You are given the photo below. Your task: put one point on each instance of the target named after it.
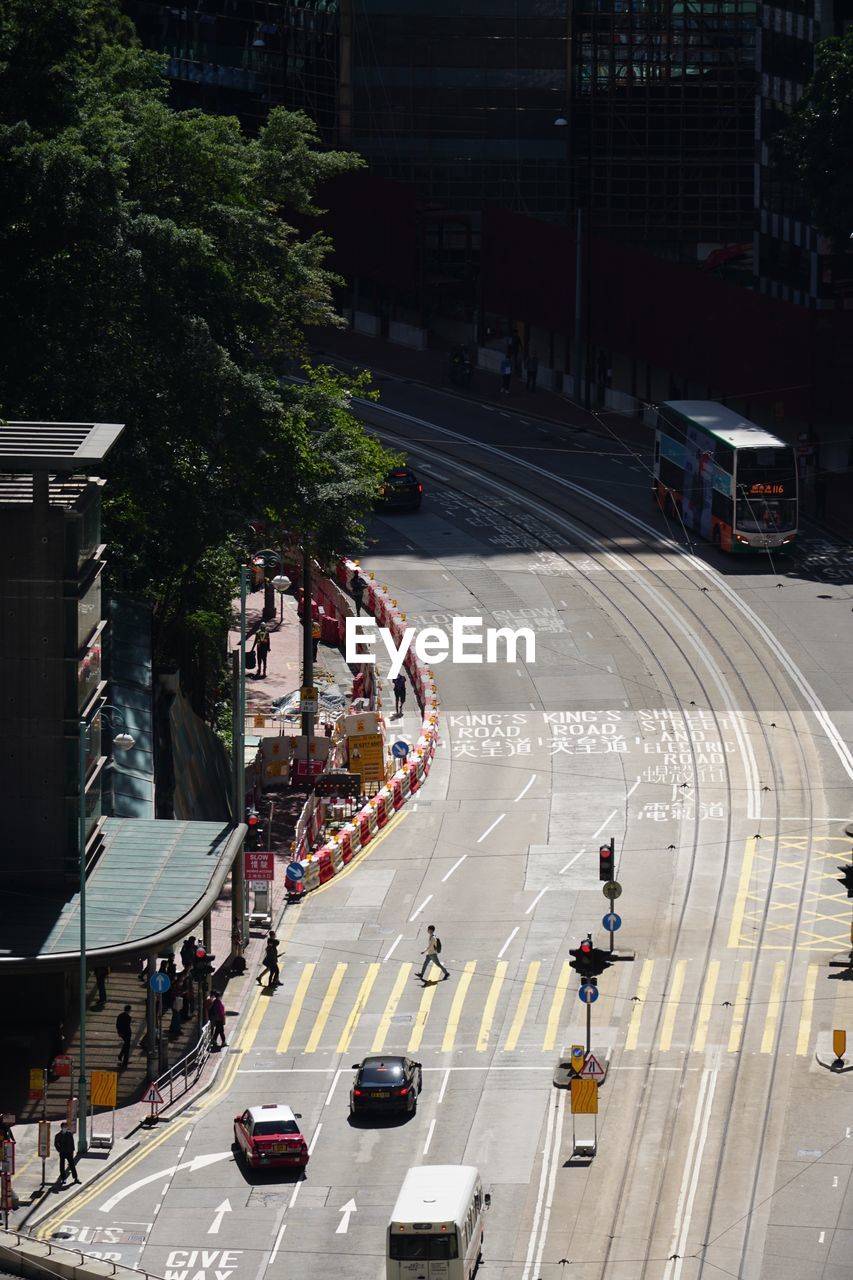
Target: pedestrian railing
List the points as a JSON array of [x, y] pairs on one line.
[[183, 1075], [72, 1261]]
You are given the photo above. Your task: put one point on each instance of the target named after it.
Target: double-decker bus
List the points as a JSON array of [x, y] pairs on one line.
[[436, 1229], [729, 479]]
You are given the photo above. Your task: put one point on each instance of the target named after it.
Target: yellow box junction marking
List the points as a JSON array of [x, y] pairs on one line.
[[706, 1006], [643, 985], [490, 1006], [456, 1006], [358, 1008], [557, 1002], [325, 1008], [391, 1007]]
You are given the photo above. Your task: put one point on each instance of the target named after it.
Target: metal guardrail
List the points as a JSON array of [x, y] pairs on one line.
[[187, 1071], [22, 1239]]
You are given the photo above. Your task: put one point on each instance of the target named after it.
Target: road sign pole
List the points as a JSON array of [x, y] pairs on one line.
[[588, 1025]]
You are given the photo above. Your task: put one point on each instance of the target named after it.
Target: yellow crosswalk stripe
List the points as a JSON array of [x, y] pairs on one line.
[[295, 1008], [326, 1007], [490, 1006], [522, 1006], [358, 1008], [804, 1033], [421, 1018], [774, 1007], [391, 1007], [643, 985], [740, 1007], [706, 1005], [456, 1007], [672, 1006], [557, 1006]]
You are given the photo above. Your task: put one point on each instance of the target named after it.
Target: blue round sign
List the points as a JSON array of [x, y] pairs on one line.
[[295, 871], [612, 921], [160, 982], [400, 750], [588, 994]]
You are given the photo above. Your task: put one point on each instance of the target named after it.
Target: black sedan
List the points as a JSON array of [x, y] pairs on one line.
[[385, 1086], [401, 489]]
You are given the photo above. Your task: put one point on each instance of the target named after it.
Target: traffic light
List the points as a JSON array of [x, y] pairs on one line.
[[607, 861], [253, 822], [846, 878], [589, 961], [202, 964]]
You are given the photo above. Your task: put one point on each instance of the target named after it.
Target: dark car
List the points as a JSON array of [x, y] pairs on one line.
[[385, 1085], [401, 489]]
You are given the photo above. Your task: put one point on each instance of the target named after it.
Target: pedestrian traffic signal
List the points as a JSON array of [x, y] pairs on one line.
[[202, 964], [607, 861], [589, 961], [253, 822], [846, 878]]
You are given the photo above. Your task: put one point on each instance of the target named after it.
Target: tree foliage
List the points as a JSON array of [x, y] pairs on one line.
[[151, 276], [816, 146]]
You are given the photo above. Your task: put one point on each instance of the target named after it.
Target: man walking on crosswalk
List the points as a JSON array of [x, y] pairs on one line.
[[433, 947]]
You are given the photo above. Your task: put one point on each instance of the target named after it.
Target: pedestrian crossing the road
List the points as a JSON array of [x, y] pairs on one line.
[[495, 1007]]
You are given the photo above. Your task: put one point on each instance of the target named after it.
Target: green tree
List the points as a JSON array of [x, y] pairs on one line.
[[816, 146], [151, 275]]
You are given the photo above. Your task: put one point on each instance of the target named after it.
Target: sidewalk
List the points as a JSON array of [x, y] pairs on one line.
[[430, 367]]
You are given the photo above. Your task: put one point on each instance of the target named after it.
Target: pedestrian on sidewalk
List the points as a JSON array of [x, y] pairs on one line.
[[101, 972], [64, 1144], [399, 694], [270, 965], [124, 1027], [262, 647], [356, 586], [431, 954], [216, 1018], [532, 370], [188, 952], [506, 375], [177, 1012], [315, 638]]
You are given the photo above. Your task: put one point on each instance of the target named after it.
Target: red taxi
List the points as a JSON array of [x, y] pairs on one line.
[[269, 1136]]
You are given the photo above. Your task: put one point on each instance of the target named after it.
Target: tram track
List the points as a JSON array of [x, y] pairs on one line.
[[580, 528]]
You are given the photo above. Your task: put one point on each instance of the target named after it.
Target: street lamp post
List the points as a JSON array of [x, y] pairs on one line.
[[123, 741], [281, 584]]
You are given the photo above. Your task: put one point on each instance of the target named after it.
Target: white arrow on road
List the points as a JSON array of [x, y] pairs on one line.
[[347, 1210], [197, 1162], [218, 1215]]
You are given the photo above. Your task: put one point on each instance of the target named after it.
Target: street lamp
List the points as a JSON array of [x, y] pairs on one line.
[[272, 561], [281, 583], [123, 741]]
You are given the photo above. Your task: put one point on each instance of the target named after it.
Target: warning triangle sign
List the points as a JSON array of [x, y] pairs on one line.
[[592, 1068], [152, 1094]]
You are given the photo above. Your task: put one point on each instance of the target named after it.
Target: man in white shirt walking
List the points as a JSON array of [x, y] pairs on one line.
[[431, 953]]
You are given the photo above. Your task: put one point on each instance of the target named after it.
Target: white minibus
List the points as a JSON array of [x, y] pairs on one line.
[[436, 1229]]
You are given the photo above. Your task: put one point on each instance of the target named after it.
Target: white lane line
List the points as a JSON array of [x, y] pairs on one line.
[[334, 1085], [552, 1178], [692, 1169], [427, 899], [633, 789], [540, 894], [164, 1190], [292, 1201], [457, 863], [821, 1237], [443, 1088], [532, 706], [313, 1141], [490, 829], [571, 862], [157, 1208], [591, 636], [550, 1128], [508, 941], [605, 823], [525, 790], [430, 1132], [275, 1247], [392, 948]]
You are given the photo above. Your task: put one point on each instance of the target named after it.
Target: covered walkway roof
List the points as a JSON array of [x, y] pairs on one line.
[[153, 882]]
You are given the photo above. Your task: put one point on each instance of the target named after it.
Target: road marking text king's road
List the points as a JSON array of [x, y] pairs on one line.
[[432, 644]]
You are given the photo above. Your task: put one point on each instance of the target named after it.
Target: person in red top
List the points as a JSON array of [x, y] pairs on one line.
[[216, 1018]]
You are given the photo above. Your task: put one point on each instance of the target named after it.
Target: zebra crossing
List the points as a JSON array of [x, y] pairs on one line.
[[497, 1007]]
